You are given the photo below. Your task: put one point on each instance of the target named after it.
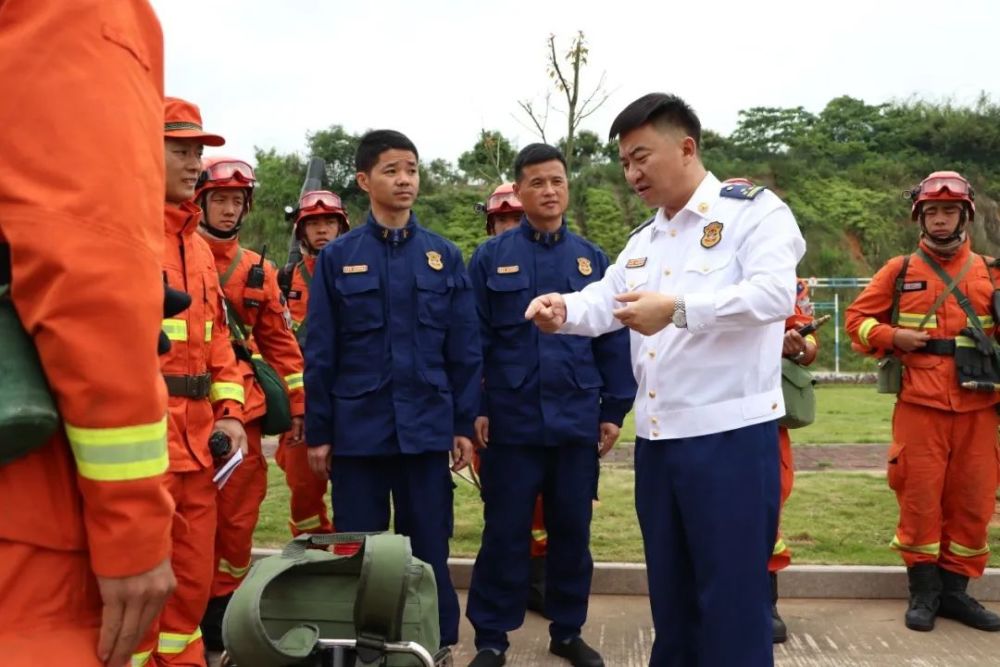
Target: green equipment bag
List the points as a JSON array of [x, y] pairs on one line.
[[278, 416], [28, 414], [890, 367], [288, 602], [797, 387]]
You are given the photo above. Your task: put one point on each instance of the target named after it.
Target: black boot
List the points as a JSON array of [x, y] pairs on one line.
[[577, 652], [536, 590], [779, 631], [962, 607], [925, 596], [488, 658], [211, 623]]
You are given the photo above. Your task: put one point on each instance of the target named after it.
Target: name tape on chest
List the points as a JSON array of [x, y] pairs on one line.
[[915, 286], [356, 268], [503, 270]]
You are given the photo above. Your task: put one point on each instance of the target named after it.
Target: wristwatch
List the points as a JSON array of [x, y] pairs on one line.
[[680, 319], [799, 356]]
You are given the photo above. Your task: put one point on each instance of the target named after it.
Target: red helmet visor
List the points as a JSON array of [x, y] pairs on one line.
[[326, 200], [230, 170], [938, 185], [496, 202]]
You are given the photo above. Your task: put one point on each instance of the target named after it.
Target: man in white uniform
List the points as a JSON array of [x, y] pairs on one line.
[[705, 285]]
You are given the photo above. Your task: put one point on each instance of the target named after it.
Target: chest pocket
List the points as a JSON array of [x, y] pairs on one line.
[[636, 280], [577, 281], [710, 262], [434, 300], [509, 296], [360, 303]]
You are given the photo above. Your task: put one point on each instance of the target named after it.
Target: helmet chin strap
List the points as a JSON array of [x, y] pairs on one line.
[[948, 245]]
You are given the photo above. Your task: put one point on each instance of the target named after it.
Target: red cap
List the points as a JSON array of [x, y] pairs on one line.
[[182, 120]]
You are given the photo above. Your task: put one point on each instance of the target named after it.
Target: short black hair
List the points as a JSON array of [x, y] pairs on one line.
[[661, 110], [536, 154], [376, 142]]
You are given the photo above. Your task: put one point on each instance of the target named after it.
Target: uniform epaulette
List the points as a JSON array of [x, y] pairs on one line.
[[641, 227], [741, 191]]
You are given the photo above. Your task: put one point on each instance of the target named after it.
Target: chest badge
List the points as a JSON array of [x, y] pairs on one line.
[[635, 263], [356, 268], [502, 270], [434, 260], [711, 234], [583, 265]]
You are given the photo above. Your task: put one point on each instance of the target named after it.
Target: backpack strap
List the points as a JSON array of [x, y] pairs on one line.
[[224, 277], [306, 275], [898, 290], [951, 287], [381, 597]]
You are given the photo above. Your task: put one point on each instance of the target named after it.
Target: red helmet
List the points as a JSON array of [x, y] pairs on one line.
[[320, 202], [943, 186], [503, 200], [227, 172]]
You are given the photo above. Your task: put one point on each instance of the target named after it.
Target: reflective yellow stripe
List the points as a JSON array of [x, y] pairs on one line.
[[964, 341], [226, 390], [294, 381], [779, 547], [985, 320], [176, 329], [296, 326], [932, 549], [226, 567], [208, 331], [306, 524], [140, 659], [812, 339], [121, 453], [865, 329], [257, 356], [966, 552], [172, 642], [914, 319], [539, 535]]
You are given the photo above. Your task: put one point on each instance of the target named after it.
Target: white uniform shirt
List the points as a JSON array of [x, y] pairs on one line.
[[733, 261]]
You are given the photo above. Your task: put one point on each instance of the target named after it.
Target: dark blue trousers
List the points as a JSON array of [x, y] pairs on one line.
[[708, 510], [512, 478], [422, 498]]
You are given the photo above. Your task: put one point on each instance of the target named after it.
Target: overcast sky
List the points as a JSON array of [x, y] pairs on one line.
[[266, 73]]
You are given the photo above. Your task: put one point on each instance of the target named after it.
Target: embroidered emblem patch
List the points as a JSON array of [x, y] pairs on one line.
[[583, 264], [635, 263], [356, 268], [711, 234], [434, 260], [508, 269]]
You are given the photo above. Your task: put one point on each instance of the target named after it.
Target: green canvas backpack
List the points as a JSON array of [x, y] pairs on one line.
[[290, 602], [799, 394]]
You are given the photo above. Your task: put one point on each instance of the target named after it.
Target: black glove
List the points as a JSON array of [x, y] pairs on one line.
[[174, 302]]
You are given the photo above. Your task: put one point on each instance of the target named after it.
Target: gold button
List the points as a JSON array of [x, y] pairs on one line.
[[656, 433], [774, 406], [705, 268], [652, 354], [631, 285], [654, 420], [652, 394], [673, 232], [666, 272]]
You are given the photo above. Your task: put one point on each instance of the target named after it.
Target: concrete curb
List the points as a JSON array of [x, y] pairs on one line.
[[797, 581]]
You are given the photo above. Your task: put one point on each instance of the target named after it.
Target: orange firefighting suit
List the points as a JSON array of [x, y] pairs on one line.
[[781, 557], [80, 79], [943, 462], [200, 347], [308, 507], [262, 312]]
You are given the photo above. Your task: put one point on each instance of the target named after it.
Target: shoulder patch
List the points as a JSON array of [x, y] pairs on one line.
[[641, 227], [741, 191]]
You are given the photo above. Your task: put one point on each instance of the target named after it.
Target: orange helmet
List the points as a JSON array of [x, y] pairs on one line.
[[942, 186], [802, 296], [503, 200], [225, 172], [318, 202]]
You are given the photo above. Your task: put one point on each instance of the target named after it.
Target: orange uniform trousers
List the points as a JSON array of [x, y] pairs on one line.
[[943, 466], [238, 510], [782, 555], [308, 505], [175, 639]]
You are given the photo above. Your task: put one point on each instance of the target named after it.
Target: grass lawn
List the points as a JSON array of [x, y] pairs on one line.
[[844, 414], [830, 518]]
